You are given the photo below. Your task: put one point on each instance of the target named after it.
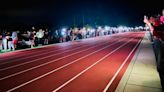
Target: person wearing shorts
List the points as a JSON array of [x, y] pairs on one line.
[[14, 39]]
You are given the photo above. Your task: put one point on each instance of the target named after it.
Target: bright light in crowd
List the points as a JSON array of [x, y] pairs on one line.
[[120, 28], [107, 28], [92, 30], [99, 27], [84, 28], [146, 28], [136, 28], [140, 27], [88, 29], [63, 31], [33, 28], [132, 28]]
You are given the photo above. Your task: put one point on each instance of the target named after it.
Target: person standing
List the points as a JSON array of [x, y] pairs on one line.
[[46, 35], [4, 41], [10, 41], [0, 42], [71, 34], [32, 39], [40, 35], [162, 17], [75, 31], [68, 35], [14, 38], [158, 44]]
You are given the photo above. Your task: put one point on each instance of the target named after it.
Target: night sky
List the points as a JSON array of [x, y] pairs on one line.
[[69, 12]]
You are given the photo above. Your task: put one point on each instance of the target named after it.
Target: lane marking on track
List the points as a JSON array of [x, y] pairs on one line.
[[51, 62], [47, 47], [51, 46], [89, 39], [2, 69], [111, 81], [59, 68], [22, 58], [45, 56], [90, 66]]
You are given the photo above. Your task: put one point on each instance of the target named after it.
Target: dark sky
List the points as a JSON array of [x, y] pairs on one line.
[[69, 12]]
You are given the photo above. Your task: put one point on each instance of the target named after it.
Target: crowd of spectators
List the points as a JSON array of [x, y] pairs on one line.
[[11, 40], [156, 25]]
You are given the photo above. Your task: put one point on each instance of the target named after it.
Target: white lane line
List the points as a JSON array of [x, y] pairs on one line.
[[24, 54], [43, 57], [59, 68], [84, 40], [60, 44], [38, 58], [111, 81], [51, 62], [3, 69], [51, 47], [99, 38], [46, 46], [22, 58], [90, 67]]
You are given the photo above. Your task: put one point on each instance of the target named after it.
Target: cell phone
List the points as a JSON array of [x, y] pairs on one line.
[[145, 17]]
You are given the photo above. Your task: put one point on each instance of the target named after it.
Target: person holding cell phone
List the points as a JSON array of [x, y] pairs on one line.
[[162, 17], [157, 30]]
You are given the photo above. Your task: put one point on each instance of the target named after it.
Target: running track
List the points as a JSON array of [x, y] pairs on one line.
[[90, 65]]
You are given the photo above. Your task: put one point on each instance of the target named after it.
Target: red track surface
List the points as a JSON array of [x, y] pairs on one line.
[[91, 65]]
